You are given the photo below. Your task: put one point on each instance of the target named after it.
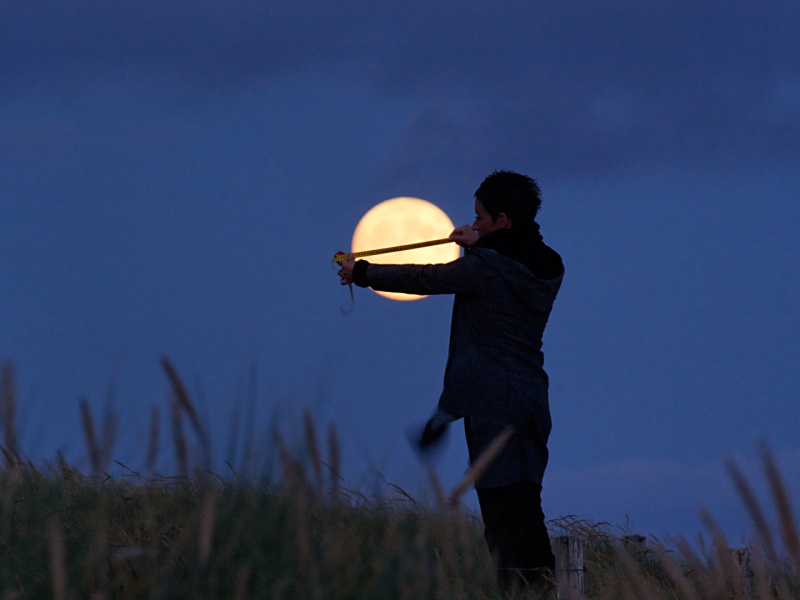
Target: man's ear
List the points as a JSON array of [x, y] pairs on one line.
[[503, 221]]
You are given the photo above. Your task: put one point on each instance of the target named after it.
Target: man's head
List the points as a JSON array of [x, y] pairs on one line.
[[511, 194]]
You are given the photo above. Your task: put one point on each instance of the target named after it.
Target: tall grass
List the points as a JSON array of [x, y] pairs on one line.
[[66, 534]]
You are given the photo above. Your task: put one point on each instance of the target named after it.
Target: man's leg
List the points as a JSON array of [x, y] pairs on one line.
[[516, 534]]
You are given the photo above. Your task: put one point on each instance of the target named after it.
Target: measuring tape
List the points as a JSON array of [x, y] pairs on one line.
[[340, 257]]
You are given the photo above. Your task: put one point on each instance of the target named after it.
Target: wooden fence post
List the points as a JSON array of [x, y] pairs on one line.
[[741, 560], [569, 568]]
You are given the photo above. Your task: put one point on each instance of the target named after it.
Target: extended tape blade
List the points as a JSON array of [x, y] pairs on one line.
[[341, 257]]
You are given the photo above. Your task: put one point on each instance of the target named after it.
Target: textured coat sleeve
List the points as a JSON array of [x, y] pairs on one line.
[[463, 275]]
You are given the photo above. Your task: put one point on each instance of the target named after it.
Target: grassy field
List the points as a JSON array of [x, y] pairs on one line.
[[66, 534]]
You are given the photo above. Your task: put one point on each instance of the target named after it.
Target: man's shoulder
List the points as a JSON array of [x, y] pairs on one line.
[[544, 263], [548, 264]]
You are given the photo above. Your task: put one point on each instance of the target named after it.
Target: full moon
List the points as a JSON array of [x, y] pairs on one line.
[[402, 221]]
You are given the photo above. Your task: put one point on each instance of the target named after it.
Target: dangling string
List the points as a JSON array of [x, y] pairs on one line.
[[346, 310], [340, 256]]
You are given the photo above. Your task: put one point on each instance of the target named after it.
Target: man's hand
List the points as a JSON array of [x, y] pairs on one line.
[[431, 434], [346, 271], [427, 441], [464, 236]]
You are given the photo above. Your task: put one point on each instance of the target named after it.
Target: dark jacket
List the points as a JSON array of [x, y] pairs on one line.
[[504, 290]]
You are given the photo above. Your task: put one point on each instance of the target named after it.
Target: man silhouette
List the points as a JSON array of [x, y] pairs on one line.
[[504, 288]]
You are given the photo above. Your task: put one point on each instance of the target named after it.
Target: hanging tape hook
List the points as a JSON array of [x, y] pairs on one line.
[[346, 310]]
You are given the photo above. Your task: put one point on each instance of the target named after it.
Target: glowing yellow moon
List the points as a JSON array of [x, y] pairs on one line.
[[402, 221]]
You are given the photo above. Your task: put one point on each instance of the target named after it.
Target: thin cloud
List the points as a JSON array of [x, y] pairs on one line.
[[604, 88], [667, 496]]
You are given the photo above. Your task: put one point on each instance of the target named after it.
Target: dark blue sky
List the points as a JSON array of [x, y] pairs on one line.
[[175, 177]]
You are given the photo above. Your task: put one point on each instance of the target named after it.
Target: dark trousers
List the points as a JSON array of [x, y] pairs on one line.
[[516, 534]]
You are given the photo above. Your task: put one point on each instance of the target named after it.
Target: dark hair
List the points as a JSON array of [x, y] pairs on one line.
[[511, 193]]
